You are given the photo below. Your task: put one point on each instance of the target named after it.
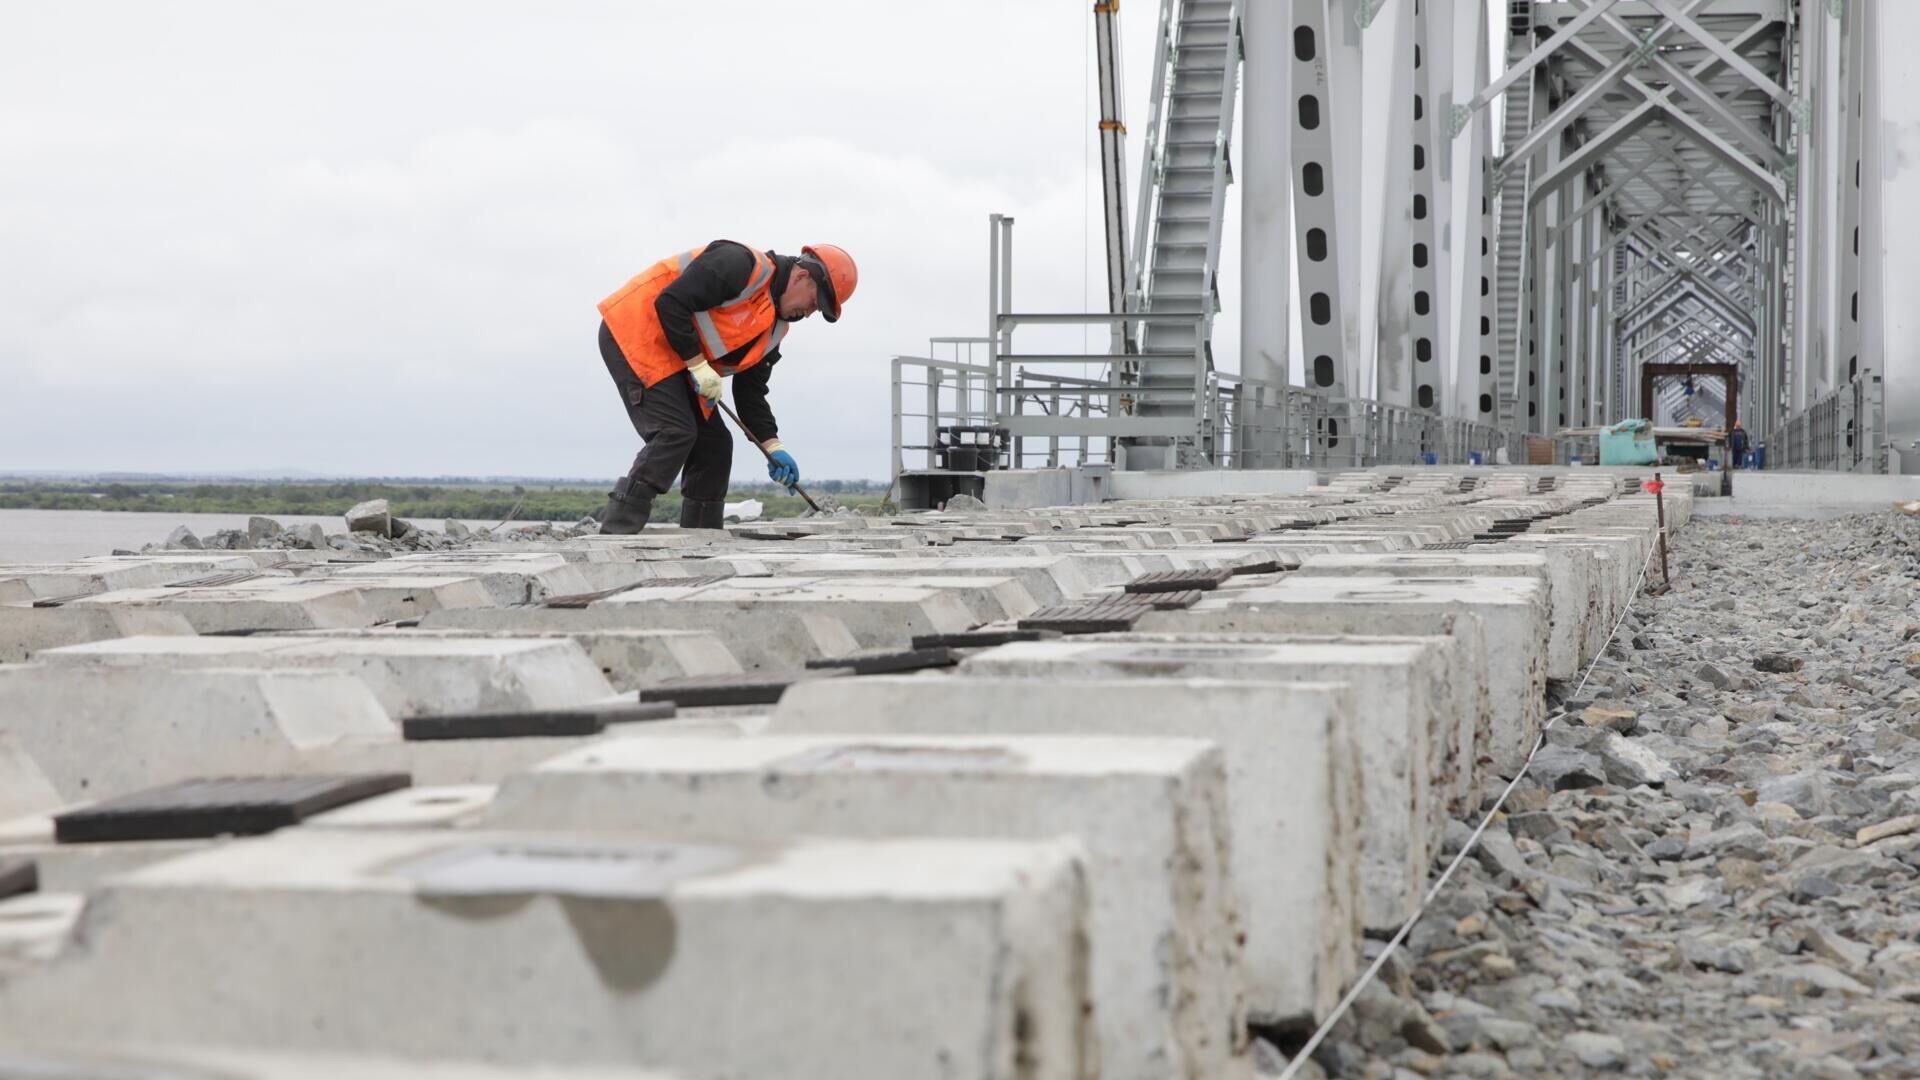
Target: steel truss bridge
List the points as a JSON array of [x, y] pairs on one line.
[[1476, 248]]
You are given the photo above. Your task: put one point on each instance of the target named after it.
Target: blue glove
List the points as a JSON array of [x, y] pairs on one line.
[[780, 467]]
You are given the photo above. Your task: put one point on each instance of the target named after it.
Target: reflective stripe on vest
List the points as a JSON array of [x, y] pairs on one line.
[[749, 322], [757, 353], [703, 321]]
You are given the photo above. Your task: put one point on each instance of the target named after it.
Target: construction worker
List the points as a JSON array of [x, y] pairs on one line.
[[671, 335], [1737, 443]]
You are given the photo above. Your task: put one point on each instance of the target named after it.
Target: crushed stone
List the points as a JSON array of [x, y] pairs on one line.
[[1688, 897]]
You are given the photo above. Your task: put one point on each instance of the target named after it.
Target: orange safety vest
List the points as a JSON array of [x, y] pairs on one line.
[[749, 319]]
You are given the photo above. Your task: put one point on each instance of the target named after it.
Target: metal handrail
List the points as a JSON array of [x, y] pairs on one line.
[[1841, 431], [1151, 156], [1008, 320], [1255, 423], [969, 381]]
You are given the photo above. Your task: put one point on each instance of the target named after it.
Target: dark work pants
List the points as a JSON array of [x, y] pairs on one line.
[[678, 437]]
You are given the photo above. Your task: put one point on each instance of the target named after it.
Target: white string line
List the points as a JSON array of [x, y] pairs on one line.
[[1320, 1034]]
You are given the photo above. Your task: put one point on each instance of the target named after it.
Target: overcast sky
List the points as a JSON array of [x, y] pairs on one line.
[[368, 238]]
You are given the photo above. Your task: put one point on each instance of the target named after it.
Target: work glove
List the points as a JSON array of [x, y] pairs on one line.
[[780, 465], [705, 379]]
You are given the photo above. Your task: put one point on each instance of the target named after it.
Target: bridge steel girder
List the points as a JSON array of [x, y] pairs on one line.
[[1714, 45], [1705, 180], [1684, 274], [1671, 178], [1715, 271], [1540, 53], [1319, 181], [1706, 137], [1732, 305], [1266, 178], [1580, 101], [1670, 308], [1388, 201], [1425, 369], [1700, 226], [1689, 329], [1467, 286], [1669, 288], [1889, 217], [1678, 120], [1698, 91], [1671, 274], [1693, 322], [1666, 299]]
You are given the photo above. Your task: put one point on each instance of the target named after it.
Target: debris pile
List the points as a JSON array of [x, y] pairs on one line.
[[404, 537], [829, 507]]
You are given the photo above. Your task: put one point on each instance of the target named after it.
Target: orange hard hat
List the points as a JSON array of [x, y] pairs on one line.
[[832, 269]]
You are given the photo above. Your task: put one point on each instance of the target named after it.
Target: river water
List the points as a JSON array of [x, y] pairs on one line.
[[63, 535]]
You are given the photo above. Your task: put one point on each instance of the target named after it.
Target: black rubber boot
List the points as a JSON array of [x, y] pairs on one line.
[[702, 513], [629, 505]]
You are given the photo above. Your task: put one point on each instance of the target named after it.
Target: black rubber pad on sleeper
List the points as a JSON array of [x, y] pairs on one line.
[[697, 691], [534, 723], [18, 877], [1113, 614], [888, 663], [1166, 581], [979, 639], [221, 806]]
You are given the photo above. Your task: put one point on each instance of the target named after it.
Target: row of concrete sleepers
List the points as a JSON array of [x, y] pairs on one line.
[[1059, 793]]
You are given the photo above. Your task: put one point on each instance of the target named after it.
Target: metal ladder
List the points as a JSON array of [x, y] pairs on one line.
[[1510, 254], [1185, 173], [1623, 405]]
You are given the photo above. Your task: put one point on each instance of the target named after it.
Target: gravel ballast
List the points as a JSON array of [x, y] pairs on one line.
[[1711, 870]]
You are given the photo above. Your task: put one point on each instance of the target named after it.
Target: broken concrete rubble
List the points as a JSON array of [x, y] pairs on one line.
[[262, 529], [371, 516]]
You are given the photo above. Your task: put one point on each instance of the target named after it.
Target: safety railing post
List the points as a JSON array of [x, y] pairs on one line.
[[899, 454], [933, 417], [993, 312]]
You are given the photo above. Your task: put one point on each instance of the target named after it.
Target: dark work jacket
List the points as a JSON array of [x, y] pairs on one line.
[[710, 281], [1737, 441]]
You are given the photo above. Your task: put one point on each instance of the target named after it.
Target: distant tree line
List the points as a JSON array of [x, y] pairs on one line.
[[425, 502]]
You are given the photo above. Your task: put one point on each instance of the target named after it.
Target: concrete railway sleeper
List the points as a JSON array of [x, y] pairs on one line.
[[891, 805]]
